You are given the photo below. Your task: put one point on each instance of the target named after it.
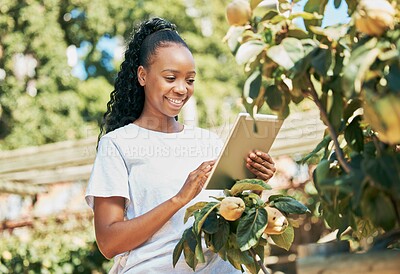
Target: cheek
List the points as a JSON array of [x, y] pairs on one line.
[[190, 90]]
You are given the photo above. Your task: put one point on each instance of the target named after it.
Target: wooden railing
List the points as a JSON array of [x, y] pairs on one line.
[[29, 170]]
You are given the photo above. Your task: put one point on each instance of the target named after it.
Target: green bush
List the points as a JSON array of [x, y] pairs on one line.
[[52, 246]]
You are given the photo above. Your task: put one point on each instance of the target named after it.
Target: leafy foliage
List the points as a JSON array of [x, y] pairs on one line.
[[41, 98], [352, 77], [52, 247], [235, 241]]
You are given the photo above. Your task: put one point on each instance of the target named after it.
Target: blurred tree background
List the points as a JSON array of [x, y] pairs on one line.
[[58, 62]]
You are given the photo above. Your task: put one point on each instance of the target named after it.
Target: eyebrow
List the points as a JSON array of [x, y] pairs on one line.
[[177, 71]]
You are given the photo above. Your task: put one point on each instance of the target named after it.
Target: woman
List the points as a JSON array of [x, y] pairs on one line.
[[149, 167]]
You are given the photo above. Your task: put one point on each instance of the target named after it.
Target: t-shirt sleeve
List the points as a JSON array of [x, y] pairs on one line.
[[109, 176]]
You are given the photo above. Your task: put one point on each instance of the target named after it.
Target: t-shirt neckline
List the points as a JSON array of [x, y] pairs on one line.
[[151, 131]]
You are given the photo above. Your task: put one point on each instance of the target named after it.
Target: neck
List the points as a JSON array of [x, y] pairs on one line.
[[167, 125]]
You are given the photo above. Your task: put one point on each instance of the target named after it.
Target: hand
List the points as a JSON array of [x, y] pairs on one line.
[[261, 165], [194, 182]]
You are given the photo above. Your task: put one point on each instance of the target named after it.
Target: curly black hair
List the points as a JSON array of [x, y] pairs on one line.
[[127, 98]]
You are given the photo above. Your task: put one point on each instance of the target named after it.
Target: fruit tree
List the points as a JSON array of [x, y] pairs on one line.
[[351, 72]]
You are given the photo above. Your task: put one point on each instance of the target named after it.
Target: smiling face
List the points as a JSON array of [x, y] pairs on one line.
[[168, 81]]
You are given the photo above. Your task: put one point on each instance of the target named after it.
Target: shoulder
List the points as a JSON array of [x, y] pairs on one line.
[[118, 137]]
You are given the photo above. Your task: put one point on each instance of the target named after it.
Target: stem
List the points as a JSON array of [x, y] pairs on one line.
[[324, 117], [258, 260], [377, 145]]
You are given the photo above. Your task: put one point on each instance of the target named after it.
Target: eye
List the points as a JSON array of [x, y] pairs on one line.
[[190, 81], [170, 78]]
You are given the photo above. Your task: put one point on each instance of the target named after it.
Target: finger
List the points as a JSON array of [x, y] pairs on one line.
[[264, 167], [263, 156], [260, 175], [259, 163], [202, 174], [206, 165], [267, 168], [207, 169]]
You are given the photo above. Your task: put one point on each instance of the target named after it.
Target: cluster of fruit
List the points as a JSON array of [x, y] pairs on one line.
[[232, 208]]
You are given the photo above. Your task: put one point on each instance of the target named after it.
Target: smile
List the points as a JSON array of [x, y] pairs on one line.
[[175, 101]]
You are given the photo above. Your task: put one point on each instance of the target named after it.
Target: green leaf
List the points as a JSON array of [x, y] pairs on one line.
[[210, 225], [222, 253], [354, 135], [269, 15], [322, 61], [199, 250], [359, 63], [321, 171], [323, 144], [220, 237], [253, 268], [297, 33], [250, 228], [286, 54], [353, 105], [277, 19], [357, 178], [179, 248], [305, 15], [336, 111], [239, 257], [317, 6], [233, 37], [294, 48], [339, 184], [285, 239], [287, 204], [248, 51], [260, 250], [274, 97], [249, 184], [255, 199], [332, 33], [190, 239], [385, 172], [377, 206], [190, 256], [190, 210], [254, 3], [252, 85], [201, 216], [393, 78]]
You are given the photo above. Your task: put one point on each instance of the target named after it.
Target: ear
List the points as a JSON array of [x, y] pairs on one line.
[[141, 75]]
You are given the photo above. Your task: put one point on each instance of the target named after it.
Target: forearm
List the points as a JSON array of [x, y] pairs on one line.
[[123, 235]]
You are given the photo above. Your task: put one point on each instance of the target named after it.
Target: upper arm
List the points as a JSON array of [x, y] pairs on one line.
[[107, 210]]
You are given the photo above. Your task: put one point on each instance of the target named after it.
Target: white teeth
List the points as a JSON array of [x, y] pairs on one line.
[[175, 101]]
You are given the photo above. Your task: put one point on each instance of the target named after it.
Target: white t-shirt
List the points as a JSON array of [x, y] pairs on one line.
[[147, 168]]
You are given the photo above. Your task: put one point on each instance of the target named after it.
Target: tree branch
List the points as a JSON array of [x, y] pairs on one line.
[[324, 117], [258, 260]]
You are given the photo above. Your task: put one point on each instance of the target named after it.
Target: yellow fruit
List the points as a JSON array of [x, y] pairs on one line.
[[277, 222], [231, 208], [238, 12], [374, 17], [383, 115]]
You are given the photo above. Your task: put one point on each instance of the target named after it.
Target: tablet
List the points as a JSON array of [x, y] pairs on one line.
[[246, 135]]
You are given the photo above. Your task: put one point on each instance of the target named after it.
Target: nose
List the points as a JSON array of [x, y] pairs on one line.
[[181, 87]]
